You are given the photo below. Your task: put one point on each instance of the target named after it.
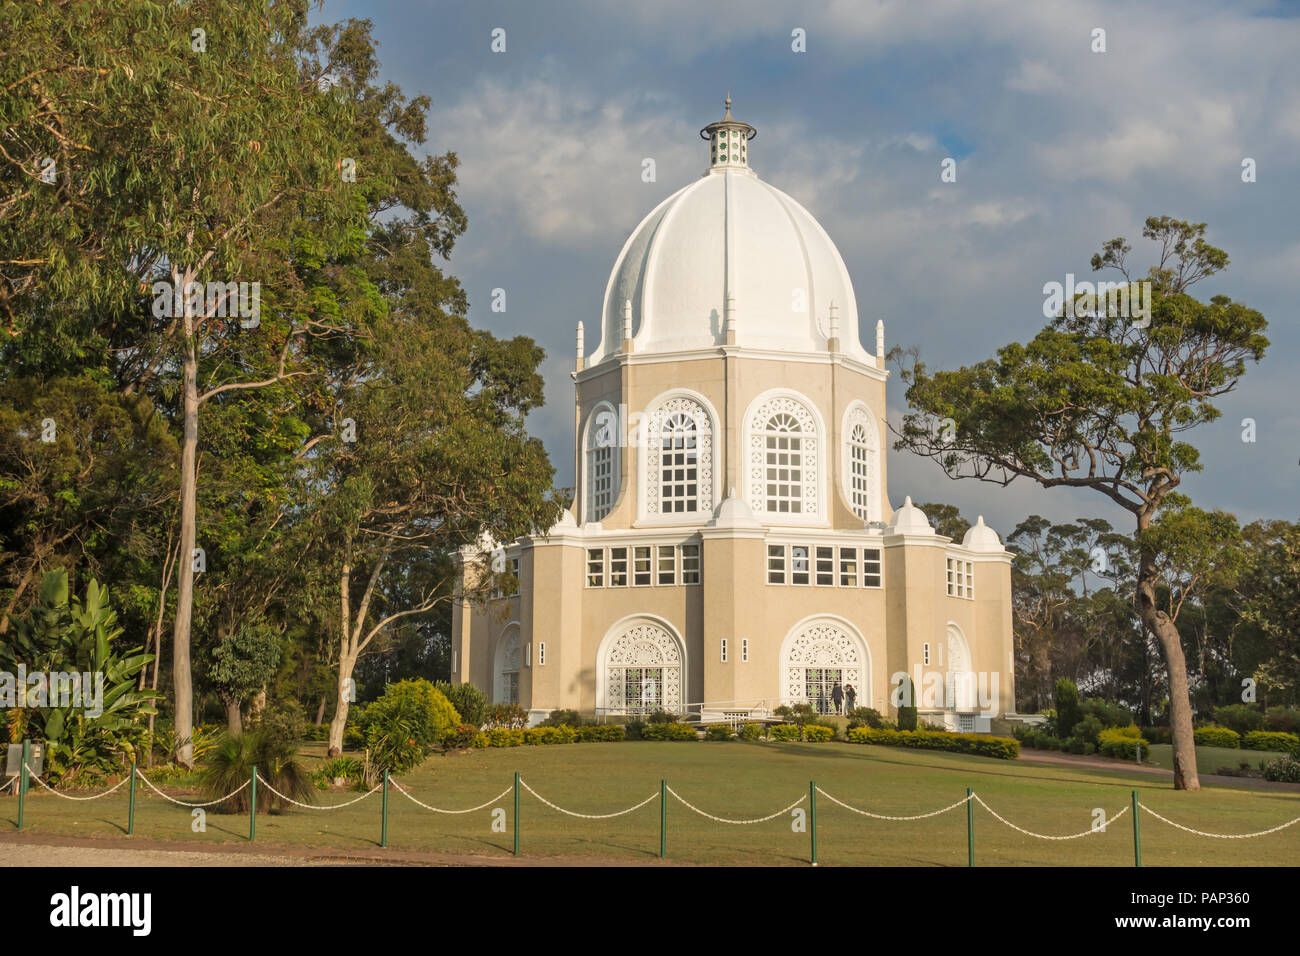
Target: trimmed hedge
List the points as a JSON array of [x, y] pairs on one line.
[[673, 731], [718, 732], [1214, 736], [500, 737], [818, 733], [1002, 748], [538, 736], [1121, 742], [784, 732], [600, 733], [1271, 740], [750, 731], [459, 737], [1158, 735]]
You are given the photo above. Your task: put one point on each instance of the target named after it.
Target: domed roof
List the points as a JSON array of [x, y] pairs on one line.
[[910, 519], [729, 249], [980, 537]]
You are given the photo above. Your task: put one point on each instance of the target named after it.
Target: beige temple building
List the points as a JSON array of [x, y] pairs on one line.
[[731, 546]]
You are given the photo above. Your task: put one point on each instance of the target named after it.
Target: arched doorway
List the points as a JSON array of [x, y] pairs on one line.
[[959, 680], [506, 667], [819, 653], [640, 668]]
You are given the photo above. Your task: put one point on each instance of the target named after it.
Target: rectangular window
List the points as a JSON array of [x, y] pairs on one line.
[[961, 578], [784, 473], [825, 565], [541, 653], [667, 564], [690, 564], [970, 579], [455, 659], [800, 571], [848, 567], [776, 564], [744, 649], [595, 567], [724, 650], [925, 653], [602, 481], [641, 566], [618, 567], [871, 567], [514, 571], [528, 654]]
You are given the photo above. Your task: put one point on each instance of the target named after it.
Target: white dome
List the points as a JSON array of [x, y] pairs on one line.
[[729, 239], [910, 519], [980, 537]]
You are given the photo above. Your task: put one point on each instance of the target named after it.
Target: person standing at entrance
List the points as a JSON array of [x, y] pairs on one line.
[[850, 698], [837, 696]]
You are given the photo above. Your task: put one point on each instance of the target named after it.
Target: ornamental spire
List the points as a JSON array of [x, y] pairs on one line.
[[728, 141]]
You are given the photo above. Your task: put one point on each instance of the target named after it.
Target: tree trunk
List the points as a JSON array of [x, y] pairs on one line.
[[320, 711], [183, 690], [1180, 704], [234, 723], [346, 663]]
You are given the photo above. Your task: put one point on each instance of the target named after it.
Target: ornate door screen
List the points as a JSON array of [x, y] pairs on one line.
[[819, 656], [507, 668], [643, 671]]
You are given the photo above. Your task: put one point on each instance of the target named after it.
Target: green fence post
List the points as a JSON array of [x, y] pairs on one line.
[[970, 828], [1137, 833], [130, 813], [812, 817], [383, 827], [516, 813], [22, 781], [252, 806], [663, 819]]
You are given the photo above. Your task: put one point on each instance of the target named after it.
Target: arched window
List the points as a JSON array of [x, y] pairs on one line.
[[602, 462], [507, 667], [959, 679], [678, 461], [641, 670], [783, 459], [818, 656], [861, 464]]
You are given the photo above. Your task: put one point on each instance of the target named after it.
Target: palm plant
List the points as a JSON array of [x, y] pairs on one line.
[[231, 763]]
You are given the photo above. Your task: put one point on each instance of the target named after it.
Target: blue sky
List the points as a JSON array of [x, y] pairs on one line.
[[1059, 148]]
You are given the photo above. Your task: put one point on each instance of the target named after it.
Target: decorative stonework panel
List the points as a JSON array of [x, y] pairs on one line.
[[649, 652], [822, 644]]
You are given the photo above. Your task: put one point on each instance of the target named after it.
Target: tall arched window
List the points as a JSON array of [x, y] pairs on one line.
[[677, 476], [602, 462], [783, 459], [861, 463], [507, 667]]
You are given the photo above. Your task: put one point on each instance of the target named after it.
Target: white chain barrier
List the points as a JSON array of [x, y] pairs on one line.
[[482, 806], [1099, 828], [312, 806], [1219, 836], [588, 816], [770, 816], [96, 796], [882, 816], [184, 803]]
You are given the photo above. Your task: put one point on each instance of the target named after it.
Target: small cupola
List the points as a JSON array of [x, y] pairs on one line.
[[728, 141]]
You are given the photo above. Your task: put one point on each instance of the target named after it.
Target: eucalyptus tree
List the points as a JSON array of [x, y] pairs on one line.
[[1103, 400]]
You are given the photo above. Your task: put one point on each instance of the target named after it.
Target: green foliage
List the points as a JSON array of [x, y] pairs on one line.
[[634, 729], [718, 732], [1242, 718], [907, 711], [1110, 715], [231, 764], [594, 733], [501, 737], [344, 768], [542, 735], [818, 733], [1283, 770], [668, 731], [460, 737], [1283, 719], [1157, 735], [1121, 742], [507, 715], [1212, 736], [662, 717], [563, 718], [1003, 748], [470, 702], [866, 717], [1271, 740], [750, 731], [1087, 730], [282, 719], [1068, 712], [402, 726], [245, 662], [62, 633], [784, 732]]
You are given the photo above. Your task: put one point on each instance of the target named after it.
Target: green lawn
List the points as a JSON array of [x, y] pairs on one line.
[[1211, 759], [736, 779]]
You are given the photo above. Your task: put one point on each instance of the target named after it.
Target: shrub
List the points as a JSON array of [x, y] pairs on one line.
[[537, 736], [668, 731], [1088, 729], [503, 737], [402, 726], [599, 732], [510, 716], [562, 718], [1068, 712], [1121, 742], [633, 729], [718, 732], [1283, 770], [818, 733], [470, 702], [750, 731], [907, 713], [1243, 718], [1110, 715], [347, 768], [784, 732], [865, 717], [1158, 735], [663, 717], [283, 719], [1213, 736], [230, 765], [460, 737], [1284, 720], [1003, 748], [1269, 740]]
